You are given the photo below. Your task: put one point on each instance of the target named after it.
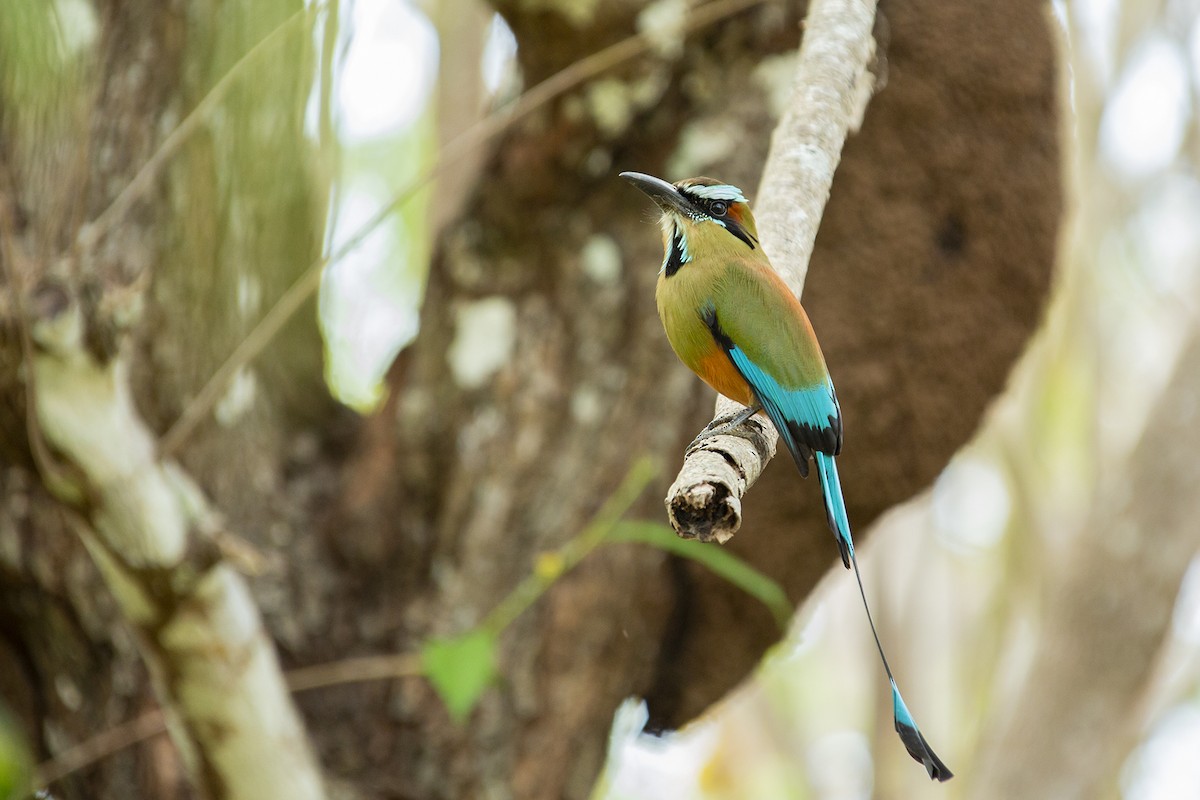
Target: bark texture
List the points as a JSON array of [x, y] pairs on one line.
[[928, 275], [127, 322]]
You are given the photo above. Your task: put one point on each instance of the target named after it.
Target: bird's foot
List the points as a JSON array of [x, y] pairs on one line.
[[725, 424]]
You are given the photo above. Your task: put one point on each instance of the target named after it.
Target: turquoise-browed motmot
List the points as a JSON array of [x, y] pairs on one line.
[[733, 321]]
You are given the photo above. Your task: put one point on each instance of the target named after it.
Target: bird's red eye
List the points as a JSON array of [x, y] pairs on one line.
[[718, 208]]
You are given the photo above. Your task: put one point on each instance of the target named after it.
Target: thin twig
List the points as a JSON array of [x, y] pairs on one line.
[[567, 557], [355, 670], [152, 723], [101, 746], [476, 136]]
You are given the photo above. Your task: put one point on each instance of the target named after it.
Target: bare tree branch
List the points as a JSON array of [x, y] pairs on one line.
[[102, 745], [831, 86], [150, 529]]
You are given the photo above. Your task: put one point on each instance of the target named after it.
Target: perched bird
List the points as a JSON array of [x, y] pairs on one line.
[[733, 321]]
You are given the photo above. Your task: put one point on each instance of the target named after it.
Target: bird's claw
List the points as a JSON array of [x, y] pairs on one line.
[[723, 425]]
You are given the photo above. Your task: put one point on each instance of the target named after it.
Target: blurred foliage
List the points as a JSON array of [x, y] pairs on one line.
[[461, 668], [15, 760], [37, 46], [43, 98], [721, 562]]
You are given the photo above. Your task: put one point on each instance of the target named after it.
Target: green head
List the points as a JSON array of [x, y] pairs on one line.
[[701, 218]]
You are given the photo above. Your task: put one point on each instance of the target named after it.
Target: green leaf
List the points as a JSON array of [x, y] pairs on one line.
[[721, 562], [460, 669]]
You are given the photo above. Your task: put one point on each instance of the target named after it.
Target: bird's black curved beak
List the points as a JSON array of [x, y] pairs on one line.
[[664, 194]]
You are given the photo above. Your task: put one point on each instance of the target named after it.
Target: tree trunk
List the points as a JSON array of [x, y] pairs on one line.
[[165, 272]]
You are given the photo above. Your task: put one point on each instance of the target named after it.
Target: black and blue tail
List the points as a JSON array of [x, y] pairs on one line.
[[839, 523]]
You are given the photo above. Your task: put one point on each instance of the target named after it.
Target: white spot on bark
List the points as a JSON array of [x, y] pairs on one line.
[[649, 89], [572, 109], [601, 259], [971, 503], [598, 162], [249, 294], [586, 407], [611, 105], [701, 145], [662, 22], [68, 692], [238, 398], [486, 331]]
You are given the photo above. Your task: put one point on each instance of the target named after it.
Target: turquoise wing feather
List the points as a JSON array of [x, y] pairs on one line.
[[809, 422]]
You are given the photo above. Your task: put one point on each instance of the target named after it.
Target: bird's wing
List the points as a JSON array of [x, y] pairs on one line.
[[767, 336]]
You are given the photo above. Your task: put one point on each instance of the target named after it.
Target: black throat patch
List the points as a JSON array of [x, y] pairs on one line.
[[677, 254]]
